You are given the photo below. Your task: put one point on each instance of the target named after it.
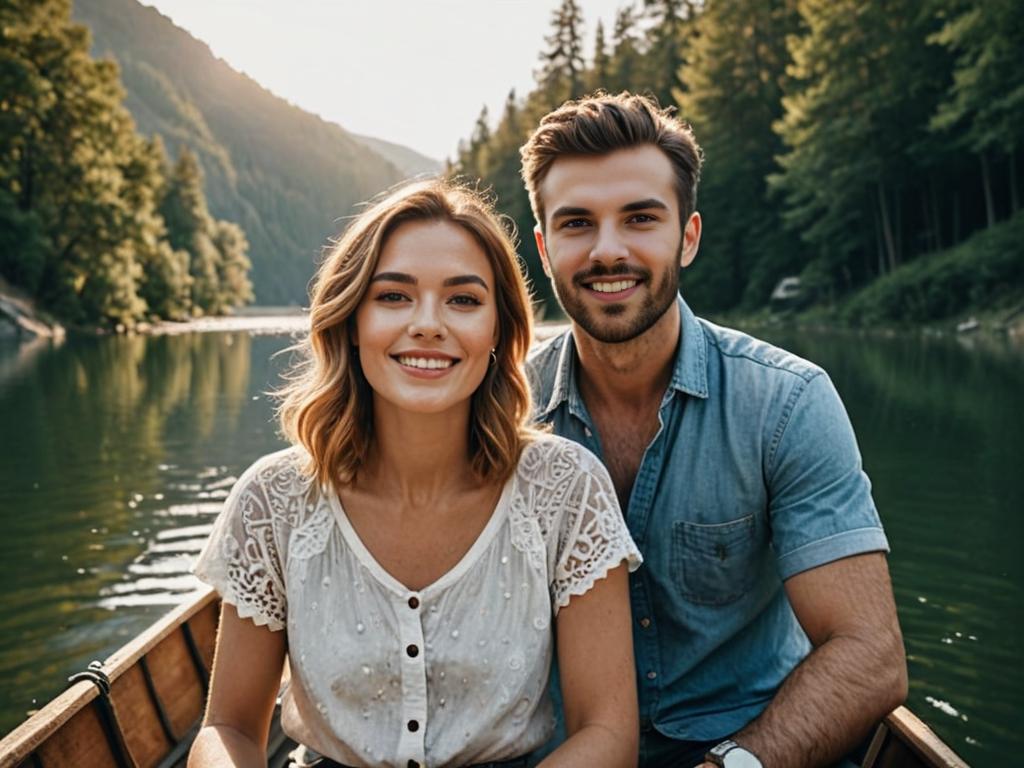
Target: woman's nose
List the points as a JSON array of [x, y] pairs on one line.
[[427, 321]]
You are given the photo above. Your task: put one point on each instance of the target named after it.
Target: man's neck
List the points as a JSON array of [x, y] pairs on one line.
[[632, 373]]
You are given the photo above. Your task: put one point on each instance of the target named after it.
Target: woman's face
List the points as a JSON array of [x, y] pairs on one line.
[[428, 322]]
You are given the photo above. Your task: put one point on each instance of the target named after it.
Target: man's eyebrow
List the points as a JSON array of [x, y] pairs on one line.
[[643, 205], [567, 210], [393, 277], [465, 280]]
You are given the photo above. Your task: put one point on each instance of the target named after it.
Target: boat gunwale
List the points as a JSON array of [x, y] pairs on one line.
[[37, 728]]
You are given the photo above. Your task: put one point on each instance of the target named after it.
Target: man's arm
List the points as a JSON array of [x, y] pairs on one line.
[[855, 675]]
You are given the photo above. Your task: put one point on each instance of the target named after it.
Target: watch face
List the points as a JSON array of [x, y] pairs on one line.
[[738, 757]]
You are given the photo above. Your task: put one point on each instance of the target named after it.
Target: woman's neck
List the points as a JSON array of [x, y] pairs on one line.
[[416, 458]]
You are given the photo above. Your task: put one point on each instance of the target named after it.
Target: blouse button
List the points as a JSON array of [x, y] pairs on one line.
[[414, 726], [414, 602], [413, 651]]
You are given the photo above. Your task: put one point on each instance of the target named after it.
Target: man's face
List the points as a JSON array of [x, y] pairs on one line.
[[612, 243]]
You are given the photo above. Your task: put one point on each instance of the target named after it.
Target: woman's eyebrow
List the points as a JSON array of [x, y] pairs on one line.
[[465, 280], [394, 277]]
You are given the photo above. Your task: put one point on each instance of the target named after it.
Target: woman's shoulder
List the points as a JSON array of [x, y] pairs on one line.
[[284, 470], [548, 454]]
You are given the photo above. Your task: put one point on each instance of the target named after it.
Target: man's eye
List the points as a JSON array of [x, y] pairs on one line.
[[465, 300], [642, 218], [575, 223]]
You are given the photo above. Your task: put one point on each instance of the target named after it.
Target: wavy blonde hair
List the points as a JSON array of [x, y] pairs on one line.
[[327, 404]]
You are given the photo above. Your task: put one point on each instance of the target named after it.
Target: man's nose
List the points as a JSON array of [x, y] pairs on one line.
[[427, 320], [609, 246]]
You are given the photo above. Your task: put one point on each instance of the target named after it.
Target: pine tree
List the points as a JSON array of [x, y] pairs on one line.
[[600, 73], [667, 38], [983, 110], [626, 58], [561, 72], [735, 76]]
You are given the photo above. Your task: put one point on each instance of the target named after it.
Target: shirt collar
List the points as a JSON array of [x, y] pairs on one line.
[[689, 371]]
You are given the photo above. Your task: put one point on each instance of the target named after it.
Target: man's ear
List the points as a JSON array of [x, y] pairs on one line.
[[542, 249], [691, 240]]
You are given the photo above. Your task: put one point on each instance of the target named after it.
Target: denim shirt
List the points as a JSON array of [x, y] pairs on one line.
[[753, 476]]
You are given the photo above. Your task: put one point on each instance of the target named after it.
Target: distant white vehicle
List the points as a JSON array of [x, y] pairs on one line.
[[787, 291]]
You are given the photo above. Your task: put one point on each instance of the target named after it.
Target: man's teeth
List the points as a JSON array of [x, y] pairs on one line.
[[429, 363], [619, 285]]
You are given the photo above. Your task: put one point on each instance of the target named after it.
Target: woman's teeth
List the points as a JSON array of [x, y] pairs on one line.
[[429, 363], [619, 285]]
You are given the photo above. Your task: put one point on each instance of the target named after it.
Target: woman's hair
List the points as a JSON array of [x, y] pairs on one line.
[[327, 404]]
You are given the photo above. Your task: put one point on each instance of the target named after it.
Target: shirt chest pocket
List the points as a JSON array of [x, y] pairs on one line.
[[713, 563]]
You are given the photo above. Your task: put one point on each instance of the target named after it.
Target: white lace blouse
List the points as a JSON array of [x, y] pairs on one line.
[[453, 674]]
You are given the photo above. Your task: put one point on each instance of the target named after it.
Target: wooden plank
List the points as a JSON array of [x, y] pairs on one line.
[[20, 742], [140, 721], [81, 742], [176, 681], [921, 740]]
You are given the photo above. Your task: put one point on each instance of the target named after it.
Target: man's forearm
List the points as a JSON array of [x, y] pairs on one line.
[[828, 703]]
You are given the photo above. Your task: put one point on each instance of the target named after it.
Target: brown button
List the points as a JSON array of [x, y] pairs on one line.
[[412, 764], [413, 651], [414, 726], [645, 622], [414, 603]]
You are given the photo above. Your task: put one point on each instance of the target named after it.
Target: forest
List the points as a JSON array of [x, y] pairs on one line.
[[869, 147], [96, 223]]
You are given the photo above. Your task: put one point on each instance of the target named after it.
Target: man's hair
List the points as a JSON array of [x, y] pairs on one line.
[[327, 403], [599, 124]]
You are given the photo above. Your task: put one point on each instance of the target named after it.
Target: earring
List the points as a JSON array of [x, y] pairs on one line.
[[494, 357]]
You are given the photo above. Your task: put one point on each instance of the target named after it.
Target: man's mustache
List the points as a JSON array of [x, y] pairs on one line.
[[599, 270]]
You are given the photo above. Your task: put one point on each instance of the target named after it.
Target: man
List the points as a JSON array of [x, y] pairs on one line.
[[765, 630]]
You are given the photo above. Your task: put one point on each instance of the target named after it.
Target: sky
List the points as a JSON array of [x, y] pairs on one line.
[[415, 72]]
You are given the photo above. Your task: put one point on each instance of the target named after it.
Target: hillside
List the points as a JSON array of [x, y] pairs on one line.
[[287, 177]]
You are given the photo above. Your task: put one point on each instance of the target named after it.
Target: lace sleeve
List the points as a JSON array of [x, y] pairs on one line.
[[592, 538], [241, 559]]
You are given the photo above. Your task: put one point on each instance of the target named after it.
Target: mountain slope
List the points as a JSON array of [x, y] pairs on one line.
[[408, 161], [287, 177]]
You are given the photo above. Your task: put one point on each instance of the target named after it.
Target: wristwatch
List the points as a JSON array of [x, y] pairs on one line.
[[729, 754]]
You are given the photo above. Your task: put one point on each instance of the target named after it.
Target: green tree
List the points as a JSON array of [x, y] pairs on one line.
[[626, 58], [735, 77], [600, 72], [561, 71], [983, 110], [667, 38], [864, 84]]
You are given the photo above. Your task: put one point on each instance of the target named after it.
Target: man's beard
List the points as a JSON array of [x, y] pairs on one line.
[[601, 324]]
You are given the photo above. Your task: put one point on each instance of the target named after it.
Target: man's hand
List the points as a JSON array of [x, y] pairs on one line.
[[856, 674]]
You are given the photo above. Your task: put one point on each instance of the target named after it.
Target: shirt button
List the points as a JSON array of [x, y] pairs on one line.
[[413, 651], [414, 602], [652, 675], [645, 622], [414, 726], [587, 432]]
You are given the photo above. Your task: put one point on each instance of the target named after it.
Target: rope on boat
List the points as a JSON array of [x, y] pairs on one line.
[[96, 675]]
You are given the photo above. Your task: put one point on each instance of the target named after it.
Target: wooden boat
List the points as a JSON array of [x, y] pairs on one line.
[[142, 707]]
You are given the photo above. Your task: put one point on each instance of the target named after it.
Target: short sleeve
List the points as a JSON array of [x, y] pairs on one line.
[[593, 538], [820, 503], [241, 559]]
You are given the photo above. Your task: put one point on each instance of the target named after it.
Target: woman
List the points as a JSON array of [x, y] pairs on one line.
[[414, 549]]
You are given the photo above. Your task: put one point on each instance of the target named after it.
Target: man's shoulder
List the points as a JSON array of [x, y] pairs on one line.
[[545, 356], [743, 353]]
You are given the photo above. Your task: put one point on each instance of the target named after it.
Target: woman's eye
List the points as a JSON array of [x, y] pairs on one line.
[[390, 296], [465, 300]]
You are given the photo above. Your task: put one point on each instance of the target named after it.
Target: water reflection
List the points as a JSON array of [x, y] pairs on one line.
[[119, 451], [118, 454]]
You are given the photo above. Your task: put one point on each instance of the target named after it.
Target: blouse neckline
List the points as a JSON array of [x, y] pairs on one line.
[[453, 574]]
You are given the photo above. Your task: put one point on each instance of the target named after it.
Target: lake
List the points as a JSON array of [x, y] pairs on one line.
[[118, 451]]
